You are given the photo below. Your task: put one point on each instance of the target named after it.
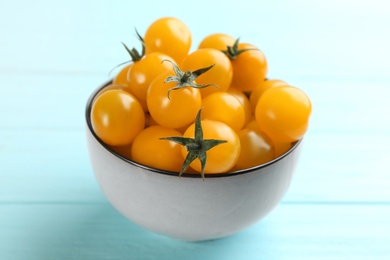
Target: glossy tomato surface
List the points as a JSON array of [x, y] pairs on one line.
[[148, 149], [221, 74], [177, 110], [218, 41], [117, 117], [220, 158], [144, 71], [168, 35], [283, 113], [224, 107]]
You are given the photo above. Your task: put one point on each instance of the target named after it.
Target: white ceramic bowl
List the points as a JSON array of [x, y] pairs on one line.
[[187, 207]]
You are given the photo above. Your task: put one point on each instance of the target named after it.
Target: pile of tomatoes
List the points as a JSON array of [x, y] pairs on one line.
[[222, 83]]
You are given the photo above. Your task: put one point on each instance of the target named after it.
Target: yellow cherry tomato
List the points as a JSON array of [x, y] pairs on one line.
[[221, 74], [124, 88], [224, 107], [177, 110], [256, 148], [218, 41], [220, 158], [283, 113], [149, 121], [123, 150], [250, 67], [113, 87], [122, 78], [168, 35], [279, 147], [144, 71], [117, 117], [244, 100], [148, 149], [259, 90]]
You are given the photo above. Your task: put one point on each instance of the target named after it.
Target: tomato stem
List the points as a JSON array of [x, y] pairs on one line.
[[134, 54], [186, 76], [186, 79], [192, 147], [196, 147], [232, 51]]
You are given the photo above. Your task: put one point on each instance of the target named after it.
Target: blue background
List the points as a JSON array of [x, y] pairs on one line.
[[53, 54]]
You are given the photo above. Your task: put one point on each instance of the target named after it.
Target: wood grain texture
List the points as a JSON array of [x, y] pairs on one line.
[[54, 54]]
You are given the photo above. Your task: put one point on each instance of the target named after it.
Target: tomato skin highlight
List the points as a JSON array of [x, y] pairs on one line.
[[256, 148], [244, 100], [283, 113], [117, 117], [177, 110], [115, 86], [168, 35], [222, 157], [144, 71], [279, 147], [148, 149]]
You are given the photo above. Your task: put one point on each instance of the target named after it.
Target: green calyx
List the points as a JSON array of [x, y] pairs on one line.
[[134, 54], [196, 147], [232, 51], [186, 79]]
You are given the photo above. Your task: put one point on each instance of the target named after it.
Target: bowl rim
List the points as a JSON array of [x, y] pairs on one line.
[[171, 173]]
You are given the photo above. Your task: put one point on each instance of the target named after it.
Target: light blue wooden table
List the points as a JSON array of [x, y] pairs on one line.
[[53, 54]]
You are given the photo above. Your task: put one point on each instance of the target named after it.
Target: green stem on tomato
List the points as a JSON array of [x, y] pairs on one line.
[[186, 79], [134, 54], [196, 147], [232, 51]]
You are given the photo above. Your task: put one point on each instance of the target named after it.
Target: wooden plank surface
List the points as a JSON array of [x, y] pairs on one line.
[[54, 54], [96, 231]]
